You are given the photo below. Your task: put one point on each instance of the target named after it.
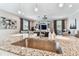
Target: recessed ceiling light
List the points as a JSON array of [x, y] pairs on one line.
[[70, 6], [61, 4]]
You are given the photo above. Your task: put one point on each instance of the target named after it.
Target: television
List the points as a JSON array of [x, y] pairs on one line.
[[43, 26]]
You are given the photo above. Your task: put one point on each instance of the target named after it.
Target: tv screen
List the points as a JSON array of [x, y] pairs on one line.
[[43, 27]]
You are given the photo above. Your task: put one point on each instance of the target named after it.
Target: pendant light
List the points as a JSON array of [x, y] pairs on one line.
[[36, 8], [61, 5], [70, 5], [19, 12]]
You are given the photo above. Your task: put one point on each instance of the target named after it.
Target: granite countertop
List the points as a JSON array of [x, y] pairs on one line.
[[70, 48]]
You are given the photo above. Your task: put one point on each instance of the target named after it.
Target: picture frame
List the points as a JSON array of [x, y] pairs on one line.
[[6, 23]]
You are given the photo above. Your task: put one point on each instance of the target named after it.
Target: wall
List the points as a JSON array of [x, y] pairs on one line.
[[71, 20], [7, 32], [32, 24]]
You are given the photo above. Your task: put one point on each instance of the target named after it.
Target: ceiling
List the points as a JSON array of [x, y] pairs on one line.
[[49, 9]]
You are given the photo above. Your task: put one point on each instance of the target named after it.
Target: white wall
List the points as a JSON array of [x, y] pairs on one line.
[[71, 20], [4, 33]]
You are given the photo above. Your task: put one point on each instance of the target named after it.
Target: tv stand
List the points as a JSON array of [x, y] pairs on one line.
[[45, 33]]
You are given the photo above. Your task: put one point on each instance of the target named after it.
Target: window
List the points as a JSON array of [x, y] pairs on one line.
[[25, 24]]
